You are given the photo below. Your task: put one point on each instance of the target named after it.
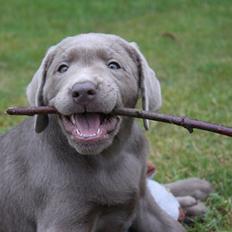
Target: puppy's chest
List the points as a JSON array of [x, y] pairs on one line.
[[116, 187]]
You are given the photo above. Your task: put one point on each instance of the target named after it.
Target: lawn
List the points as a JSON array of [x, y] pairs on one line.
[[187, 42]]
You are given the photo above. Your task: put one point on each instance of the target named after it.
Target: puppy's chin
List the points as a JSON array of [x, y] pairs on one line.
[[90, 149], [90, 133]]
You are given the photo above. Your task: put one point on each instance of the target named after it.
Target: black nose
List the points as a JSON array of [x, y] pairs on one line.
[[84, 92]]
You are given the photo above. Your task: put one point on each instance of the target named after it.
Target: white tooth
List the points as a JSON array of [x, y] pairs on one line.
[[98, 131], [88, 135], [78, 132], [73, 119]]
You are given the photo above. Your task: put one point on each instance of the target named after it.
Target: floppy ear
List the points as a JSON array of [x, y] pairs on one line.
[[35, 89], [150, 90]]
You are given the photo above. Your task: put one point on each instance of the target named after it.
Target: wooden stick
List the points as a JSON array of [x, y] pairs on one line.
[[185, 122], [31, 111]]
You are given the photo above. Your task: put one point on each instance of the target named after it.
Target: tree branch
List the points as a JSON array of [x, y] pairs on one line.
[[185, 122]]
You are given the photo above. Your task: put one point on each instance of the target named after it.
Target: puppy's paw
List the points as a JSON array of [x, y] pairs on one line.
[[200, 188], [191, 208], [198, 210], [186, 201], [195, 187]]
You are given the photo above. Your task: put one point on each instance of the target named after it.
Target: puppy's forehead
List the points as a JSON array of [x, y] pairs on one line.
[[102, 44], [91, 39]]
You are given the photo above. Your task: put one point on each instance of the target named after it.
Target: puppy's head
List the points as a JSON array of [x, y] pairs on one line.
[[85, 78]]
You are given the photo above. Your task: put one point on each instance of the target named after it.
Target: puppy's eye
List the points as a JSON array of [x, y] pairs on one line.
[[114, 65], [62, 68]]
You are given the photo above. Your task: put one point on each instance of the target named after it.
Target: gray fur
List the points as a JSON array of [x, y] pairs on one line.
[[50, 184]]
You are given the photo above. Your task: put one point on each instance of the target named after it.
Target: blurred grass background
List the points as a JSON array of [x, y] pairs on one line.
[[187, 42]]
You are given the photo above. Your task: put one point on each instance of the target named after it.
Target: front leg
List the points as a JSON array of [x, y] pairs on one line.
[[151, 218]]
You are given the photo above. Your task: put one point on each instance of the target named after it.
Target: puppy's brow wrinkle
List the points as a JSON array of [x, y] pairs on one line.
[[104, 54], [74, 54]]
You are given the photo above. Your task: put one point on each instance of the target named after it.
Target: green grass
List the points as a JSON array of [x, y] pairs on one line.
[[194, 65]]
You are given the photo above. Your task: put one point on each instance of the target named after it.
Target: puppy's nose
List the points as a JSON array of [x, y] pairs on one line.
[[84, 92]]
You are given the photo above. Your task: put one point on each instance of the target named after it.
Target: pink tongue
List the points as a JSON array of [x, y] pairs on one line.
[[88, 124]]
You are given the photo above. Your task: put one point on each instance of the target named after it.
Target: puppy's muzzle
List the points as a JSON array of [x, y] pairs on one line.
[[88, 125]]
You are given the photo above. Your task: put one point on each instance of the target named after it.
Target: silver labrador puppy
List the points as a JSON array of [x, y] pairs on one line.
[[84, 170]]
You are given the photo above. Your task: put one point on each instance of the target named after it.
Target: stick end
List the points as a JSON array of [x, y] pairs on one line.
[[10, 111]]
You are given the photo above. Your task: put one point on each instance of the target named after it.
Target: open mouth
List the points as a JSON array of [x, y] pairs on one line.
[[90, 127]]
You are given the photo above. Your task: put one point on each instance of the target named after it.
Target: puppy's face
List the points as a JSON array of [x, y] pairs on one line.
[[85, 78]]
